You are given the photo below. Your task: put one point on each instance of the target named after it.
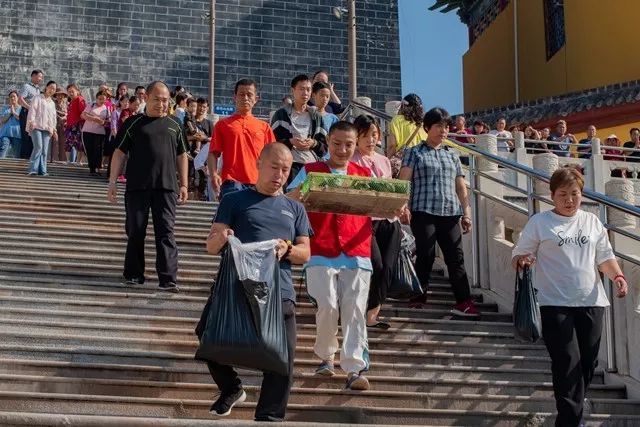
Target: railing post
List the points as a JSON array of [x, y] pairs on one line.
[[621, 189], [475, 207], [596, 171], [520, 157]]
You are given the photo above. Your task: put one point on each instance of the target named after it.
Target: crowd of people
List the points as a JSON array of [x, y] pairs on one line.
[[558, 141], [255, 170]]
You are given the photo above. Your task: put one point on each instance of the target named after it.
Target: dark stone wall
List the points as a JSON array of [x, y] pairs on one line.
[[136, 41]]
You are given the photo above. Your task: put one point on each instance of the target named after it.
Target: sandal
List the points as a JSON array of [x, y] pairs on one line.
[[380, 325]]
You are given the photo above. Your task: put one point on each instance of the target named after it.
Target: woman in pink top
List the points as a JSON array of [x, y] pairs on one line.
[[385, 246], [95, 117], [41, 125]]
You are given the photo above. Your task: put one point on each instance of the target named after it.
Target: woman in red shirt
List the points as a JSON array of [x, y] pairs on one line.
[[73, 130]]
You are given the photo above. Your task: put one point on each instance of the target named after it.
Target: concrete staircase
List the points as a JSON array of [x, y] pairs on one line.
[[79, 348]]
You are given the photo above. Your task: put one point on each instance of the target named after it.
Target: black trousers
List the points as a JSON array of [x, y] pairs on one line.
[[163, 208], [27, 144], [274, 392], [385, 247], [93, 147], [445, 231], [572, 336]]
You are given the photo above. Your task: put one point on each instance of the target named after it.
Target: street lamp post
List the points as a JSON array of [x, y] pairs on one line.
[[212, 52], [351, 36]]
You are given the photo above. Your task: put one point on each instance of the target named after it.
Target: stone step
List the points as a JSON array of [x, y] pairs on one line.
[[8, 229], [419, 377], [15, 419], [68, 197], [198, 409], [142, 293], [103, 227], [201, 290], [115, 230], [187, 341], [79, 348], [167, 304], [402, 325], [35, 210], [484, 354], [130, 329], [329, 392]]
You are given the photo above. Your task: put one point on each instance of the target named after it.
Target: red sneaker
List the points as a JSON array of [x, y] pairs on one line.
[[122, 180], [466, 309]]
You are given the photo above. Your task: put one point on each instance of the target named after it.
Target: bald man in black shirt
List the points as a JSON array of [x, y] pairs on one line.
[[157, 147]]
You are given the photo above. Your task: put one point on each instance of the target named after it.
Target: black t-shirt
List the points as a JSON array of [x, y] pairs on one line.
[[632, 156], [153, 145], [255, 217], [205, 126]]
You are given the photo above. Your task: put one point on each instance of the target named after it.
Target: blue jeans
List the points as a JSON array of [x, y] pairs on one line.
[[230, 186], [38, 160], [5, 143]]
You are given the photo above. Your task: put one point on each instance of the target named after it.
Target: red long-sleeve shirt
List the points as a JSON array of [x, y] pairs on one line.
[[76, 107]]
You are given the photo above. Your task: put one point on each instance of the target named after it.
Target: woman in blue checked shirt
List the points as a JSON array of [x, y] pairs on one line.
[[440, 209]]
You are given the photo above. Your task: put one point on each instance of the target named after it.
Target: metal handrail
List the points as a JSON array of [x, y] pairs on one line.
[[510, 164], [369, 110]]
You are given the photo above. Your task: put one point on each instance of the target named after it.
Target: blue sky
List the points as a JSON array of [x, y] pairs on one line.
[[437, 83]]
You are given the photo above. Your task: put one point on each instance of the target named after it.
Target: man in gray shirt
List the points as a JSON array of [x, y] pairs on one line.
[[28, 91]]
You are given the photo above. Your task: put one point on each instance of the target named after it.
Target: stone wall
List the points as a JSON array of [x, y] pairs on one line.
[[89, 41]]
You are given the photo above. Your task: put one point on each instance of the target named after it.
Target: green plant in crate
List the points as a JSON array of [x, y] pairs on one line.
[[322, 180]]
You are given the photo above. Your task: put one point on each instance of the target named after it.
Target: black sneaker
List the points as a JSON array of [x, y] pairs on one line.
[[226, 401], [134, 280], [169, 287]]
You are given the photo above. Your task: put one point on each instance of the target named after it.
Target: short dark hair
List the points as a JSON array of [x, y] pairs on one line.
[[139, 87], [190, 101], [320, 72], [245, 82], [632, 129], [133, 99], [13, 91], [50, 82], [202, 100], [434, 116], [364, 122], [101, 93], [155, 84], [318, 86], [501, 118], [123, 98], [36, 71], [566, 176], [181, 97], [299, 78], [344, 126], [120, 85]]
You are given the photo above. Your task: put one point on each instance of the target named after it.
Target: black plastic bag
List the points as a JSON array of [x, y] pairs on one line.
[[404, 282], [242, 324], [526, 312]]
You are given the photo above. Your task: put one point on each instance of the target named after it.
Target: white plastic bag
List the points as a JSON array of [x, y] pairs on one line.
[[254, 261]]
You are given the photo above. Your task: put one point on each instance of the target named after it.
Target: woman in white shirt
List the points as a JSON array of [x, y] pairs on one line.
[[568, 246], [41, 125]]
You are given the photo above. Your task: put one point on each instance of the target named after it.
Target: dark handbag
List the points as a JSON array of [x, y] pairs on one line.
[[242, 324], [404, 281], [526, 312]]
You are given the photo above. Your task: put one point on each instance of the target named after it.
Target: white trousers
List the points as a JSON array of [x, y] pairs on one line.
[[341, 294]]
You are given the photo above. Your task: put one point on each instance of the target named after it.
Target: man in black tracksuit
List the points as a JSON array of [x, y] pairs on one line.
[[157, 147], [300, 128]]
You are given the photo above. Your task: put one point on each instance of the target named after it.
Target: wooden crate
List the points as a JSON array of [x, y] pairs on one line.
[[346, 200]]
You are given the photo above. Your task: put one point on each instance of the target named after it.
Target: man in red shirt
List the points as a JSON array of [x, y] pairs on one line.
[[239, 139]]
